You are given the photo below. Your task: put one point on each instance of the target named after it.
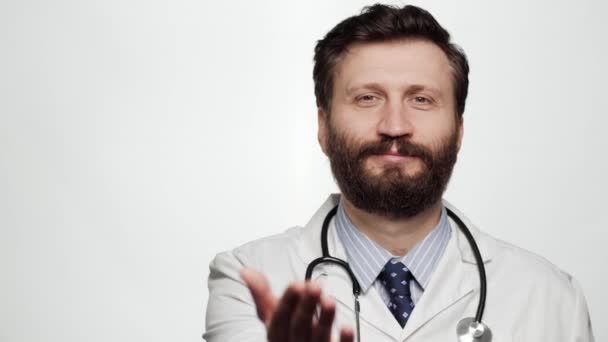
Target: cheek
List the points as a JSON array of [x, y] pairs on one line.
[[432, 129], [361, 126]]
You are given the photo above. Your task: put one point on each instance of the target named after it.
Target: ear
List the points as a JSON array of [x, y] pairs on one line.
[[460, 128], [323, 122]]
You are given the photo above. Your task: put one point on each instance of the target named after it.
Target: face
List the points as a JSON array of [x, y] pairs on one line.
[[392, 135]]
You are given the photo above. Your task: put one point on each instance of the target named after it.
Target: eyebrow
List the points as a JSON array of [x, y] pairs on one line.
[[371, 85], [414, 88], [418, 87]]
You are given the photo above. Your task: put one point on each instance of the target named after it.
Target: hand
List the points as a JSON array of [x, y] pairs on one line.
[[292, 317]]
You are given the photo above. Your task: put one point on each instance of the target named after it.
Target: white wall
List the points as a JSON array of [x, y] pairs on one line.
[[140, 138]]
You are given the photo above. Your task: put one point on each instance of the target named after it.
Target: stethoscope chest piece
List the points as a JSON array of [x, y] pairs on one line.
[[469, 330]]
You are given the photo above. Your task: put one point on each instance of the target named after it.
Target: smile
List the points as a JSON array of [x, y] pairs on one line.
[[394, 157]]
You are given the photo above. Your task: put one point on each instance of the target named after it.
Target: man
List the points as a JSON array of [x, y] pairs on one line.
[[391, 91]]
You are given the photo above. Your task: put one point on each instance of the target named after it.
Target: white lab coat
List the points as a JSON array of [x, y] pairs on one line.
[[528, 298]]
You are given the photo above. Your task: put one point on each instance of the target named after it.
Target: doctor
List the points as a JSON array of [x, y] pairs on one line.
[[391, 91]]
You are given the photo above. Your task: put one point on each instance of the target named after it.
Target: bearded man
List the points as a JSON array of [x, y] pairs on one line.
[[391, 90]]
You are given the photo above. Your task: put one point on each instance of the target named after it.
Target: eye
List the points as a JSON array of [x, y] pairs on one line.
[[422, 100], [367, 100]]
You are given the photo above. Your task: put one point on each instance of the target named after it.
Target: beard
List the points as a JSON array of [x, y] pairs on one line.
[[392, 193]]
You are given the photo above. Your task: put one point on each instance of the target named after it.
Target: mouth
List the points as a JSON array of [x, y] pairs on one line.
[[393, 156]]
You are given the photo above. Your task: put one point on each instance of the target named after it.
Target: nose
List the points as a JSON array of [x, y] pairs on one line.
[[395, 121]]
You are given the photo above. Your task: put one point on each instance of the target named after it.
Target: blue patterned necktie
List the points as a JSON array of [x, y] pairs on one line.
[[396, 279]]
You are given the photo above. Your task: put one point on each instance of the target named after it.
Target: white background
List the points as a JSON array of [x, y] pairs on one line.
[[140, 138]]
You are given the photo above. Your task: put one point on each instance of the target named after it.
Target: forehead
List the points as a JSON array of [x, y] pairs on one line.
[[400, 63]]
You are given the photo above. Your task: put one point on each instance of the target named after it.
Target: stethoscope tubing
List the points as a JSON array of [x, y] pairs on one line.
[[327, 258], [480, 267]]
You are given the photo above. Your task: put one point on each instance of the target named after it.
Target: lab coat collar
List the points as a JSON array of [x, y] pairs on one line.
[[456, 267], [310, 248], [485, 243]]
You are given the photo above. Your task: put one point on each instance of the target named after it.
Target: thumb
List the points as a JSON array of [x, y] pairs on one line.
[[258, 285]]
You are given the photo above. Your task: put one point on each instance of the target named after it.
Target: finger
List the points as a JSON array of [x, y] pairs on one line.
[[257, 283], [301, 322], [347, 335], [323, 327], [278, 329]]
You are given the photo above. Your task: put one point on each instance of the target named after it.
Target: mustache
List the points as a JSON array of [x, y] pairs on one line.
[[403, 145]]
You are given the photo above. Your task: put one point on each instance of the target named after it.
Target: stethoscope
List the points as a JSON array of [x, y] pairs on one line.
[[468, 329]]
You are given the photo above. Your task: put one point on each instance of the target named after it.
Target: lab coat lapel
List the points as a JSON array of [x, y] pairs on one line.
[[335, 281], [455, 277], [374, 312]]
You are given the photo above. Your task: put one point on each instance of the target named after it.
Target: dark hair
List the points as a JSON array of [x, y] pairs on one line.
[[385, 23]]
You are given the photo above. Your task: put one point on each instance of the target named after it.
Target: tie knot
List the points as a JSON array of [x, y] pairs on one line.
[[396, 278]]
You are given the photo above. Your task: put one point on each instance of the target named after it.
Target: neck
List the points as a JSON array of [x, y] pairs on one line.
[[397, 236]]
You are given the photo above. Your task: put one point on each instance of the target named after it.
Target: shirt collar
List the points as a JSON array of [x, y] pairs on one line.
[[367, 258]]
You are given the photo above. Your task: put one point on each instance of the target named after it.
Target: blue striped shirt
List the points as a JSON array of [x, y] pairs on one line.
[[367, 258]]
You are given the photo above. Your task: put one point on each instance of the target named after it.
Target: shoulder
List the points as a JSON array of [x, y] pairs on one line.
[[282, 257], [270, 248], [548, 293], [531, 274], [508, 262], [528, 263], [519, 272], [276, 256], [298, 242]]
